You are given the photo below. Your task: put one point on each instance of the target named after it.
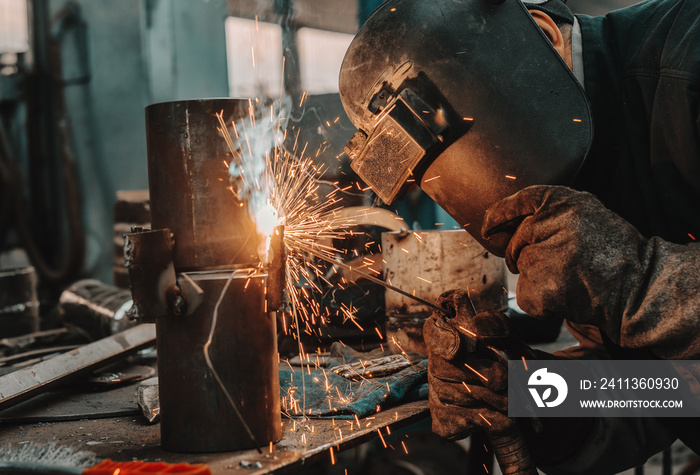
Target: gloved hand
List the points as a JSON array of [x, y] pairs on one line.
[[467, 391], [468, 379], [581, 261]]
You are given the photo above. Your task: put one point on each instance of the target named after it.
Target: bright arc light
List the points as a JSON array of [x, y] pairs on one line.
[[266, 219]]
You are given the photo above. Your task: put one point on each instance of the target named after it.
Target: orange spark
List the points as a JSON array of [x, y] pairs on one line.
[[379, 431], [476, 372], [524, 363], [465, 385], [510, 177], [467, 331], [486, 420]]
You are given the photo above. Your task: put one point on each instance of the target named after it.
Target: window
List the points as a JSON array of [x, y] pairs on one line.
[[320, 55], [13, 26], [254, 53]]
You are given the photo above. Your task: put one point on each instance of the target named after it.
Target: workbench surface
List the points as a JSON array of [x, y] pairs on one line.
[[126, 435]]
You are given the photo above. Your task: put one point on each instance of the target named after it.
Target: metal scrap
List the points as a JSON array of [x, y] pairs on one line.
[[148, 400], [28, 382], [373, 368]]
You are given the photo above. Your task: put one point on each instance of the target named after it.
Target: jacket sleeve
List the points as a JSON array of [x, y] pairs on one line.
[[611, 445], [664, 312], [615, 444], [580, 260]]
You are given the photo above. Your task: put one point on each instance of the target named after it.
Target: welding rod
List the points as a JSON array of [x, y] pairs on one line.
[[377, 281]]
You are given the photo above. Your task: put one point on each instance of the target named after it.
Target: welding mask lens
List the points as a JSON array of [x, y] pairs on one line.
[[404, 134], [388, 158]]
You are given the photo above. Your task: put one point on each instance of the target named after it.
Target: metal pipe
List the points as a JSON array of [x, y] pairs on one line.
[[217, 362], [189, 184], [196, 414]]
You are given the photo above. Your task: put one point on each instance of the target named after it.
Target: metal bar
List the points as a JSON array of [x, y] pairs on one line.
[[277, 270], [5, 360], [376, 281], [26, 383]]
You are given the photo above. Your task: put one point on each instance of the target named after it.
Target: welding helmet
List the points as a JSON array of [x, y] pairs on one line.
[[466, 98]]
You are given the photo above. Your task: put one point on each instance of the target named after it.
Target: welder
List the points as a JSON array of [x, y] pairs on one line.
[[568, 144]]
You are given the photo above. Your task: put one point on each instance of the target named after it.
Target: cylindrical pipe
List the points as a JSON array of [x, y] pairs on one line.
[[188, 182], [97, 308], [19, 306], [213, 234], [196, 416]]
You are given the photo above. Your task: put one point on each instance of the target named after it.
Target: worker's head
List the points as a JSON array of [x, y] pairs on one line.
[[469, 99], [555, 20]]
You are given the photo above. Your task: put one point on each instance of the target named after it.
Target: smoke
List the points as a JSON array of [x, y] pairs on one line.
[[255, 145], [260, 139]]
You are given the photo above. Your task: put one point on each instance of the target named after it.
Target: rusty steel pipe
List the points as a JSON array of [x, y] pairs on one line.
[[196, 415], [188, 184], [232, 403]]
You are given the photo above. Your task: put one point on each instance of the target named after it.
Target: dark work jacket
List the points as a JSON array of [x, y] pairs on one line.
[[642, 78]]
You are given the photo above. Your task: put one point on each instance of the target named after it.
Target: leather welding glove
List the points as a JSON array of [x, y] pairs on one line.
[[468, 386], [466, 391], [581, 261]]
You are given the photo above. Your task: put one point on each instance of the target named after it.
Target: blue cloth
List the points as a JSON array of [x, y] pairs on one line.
[[326, 394]]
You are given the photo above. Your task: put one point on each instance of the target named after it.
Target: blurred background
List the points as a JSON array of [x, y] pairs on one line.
[[76, 75]]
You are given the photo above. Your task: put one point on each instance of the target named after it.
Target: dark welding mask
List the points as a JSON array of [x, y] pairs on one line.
[[465, 98]]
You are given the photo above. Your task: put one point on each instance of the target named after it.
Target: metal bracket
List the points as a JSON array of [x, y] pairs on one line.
[[149, 257]]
